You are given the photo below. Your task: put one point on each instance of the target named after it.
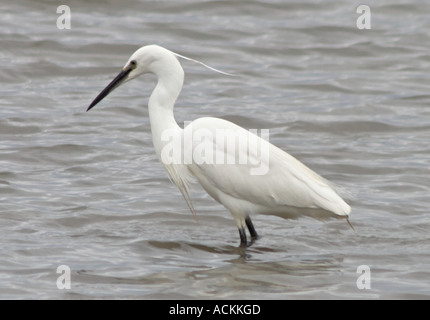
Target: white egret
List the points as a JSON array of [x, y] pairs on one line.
[[283, 186]]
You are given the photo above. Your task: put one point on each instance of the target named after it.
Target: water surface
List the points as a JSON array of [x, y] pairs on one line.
[[86, 190]]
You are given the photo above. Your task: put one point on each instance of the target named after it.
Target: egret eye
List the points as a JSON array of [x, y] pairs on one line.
[[133, 64]]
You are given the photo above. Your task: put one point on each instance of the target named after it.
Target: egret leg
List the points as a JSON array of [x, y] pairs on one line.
[[242, 233], [254, 235]]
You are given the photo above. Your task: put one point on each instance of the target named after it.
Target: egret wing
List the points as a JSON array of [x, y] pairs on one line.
[[269, 180]]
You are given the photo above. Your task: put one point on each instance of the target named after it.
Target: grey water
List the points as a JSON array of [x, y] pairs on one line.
[[86, 190]]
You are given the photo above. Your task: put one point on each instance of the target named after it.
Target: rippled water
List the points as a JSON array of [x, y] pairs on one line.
[[86, 190]]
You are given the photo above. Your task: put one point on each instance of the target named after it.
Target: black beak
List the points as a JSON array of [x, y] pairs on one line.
[[110, 87]]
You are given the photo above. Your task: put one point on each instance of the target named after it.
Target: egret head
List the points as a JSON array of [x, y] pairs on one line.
[[148, 59]]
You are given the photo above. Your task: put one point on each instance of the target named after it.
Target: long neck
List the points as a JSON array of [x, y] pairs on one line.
[[161, 103]]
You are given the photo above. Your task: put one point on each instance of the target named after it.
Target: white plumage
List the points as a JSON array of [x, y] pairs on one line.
[[252, 177]]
